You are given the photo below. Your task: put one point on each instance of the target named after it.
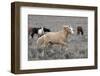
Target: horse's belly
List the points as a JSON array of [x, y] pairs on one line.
[[54, 40]]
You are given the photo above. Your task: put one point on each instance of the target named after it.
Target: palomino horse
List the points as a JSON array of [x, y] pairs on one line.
[[58, 38]]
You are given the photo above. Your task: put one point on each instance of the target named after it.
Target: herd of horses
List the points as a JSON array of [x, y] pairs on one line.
[[46, 37], [42, 30]]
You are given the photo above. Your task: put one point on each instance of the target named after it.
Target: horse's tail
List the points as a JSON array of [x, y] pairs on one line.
[[40, 41]]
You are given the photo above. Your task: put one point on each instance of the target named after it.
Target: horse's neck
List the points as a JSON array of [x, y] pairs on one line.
[[65, 33]]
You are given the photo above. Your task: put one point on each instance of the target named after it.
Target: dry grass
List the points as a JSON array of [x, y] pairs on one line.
[[77, 48], [77, 45]]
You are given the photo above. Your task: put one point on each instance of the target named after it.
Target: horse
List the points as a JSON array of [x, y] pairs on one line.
[[46, 29], [55, 37], [39, 31], [80, 30], [34, 31]]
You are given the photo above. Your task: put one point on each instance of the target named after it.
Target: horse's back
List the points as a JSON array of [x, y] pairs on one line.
[[54, 36], [46, 30]]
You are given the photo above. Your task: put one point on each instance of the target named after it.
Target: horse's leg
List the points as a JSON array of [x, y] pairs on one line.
[[37, 49], [63, 44], [78, 32], [45, 46], [82, 32], [32, 35]]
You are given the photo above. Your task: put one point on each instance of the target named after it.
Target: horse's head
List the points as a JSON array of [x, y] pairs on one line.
[[69, 29]]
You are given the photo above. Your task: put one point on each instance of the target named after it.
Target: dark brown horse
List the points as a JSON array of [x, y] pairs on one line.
[[80, 30]]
